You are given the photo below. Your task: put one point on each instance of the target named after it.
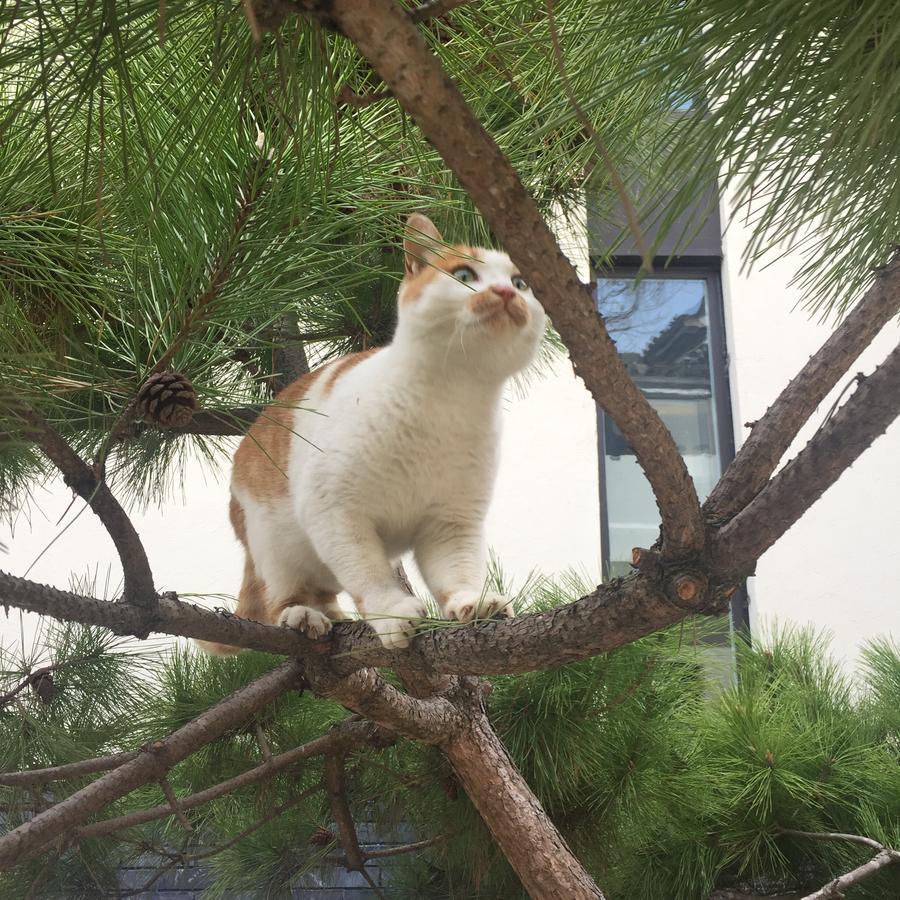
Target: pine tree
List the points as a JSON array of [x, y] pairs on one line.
[[212, 196]]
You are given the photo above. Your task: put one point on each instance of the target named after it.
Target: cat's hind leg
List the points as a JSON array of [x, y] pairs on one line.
[[311, 612]]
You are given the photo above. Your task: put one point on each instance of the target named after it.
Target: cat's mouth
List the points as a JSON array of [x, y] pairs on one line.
[[493, 310]]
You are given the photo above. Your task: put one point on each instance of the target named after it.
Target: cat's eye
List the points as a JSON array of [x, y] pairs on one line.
[[519, 283], [465, 274]]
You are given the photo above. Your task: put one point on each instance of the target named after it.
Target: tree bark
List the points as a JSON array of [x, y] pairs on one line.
[[833, 449], [83, 479], [524, 833], [612, 615]]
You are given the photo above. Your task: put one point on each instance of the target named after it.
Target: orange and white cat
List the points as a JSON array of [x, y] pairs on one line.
[[394, 449]]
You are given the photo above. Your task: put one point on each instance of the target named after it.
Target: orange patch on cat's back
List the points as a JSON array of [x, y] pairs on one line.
[[238, 520], [261, 459], [452, 258], [343, 365]]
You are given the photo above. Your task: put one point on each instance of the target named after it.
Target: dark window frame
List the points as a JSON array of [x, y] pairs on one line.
[[709, 269]]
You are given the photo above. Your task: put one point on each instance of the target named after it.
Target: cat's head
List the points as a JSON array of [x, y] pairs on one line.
[[466, 306]]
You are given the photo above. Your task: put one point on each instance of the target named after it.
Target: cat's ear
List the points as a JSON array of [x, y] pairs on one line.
[[421, 241]]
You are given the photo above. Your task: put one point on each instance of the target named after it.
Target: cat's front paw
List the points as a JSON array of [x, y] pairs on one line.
[[394, 620], [311, 622], [464, 606]]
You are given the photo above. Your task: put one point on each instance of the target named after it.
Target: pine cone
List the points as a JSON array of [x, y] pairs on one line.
[[44, 687], [321, 837], [167, 400]]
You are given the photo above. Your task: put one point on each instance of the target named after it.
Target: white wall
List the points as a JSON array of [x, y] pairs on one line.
[[838, 568]]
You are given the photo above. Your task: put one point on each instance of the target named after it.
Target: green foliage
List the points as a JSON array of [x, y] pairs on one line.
[[178, 200], [799, 105], [666, 786], [665, 781]]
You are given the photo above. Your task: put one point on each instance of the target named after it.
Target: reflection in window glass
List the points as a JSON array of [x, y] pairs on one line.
[[661, 329]]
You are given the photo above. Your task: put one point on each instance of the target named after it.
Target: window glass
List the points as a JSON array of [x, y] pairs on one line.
[[661, 330]]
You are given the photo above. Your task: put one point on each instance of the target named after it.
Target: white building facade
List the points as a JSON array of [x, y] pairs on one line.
[[711, 344]]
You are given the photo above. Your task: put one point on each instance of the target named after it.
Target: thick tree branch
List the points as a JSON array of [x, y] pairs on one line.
[[614, 614], [81, 478], [151, 764], [429, 719], [336, 788], [523, 831], [773, 433], [397, 52], [834, 448], [37, 777]]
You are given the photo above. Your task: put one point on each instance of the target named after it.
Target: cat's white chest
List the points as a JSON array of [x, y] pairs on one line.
[[397, 455]]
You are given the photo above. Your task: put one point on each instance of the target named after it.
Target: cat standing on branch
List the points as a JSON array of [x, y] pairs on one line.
[[393, 449]]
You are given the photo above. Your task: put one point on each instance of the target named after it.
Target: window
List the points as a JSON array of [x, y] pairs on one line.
[[669, 330]]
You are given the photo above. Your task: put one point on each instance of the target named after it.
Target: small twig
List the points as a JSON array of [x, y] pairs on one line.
[[347, 97], [214, 422], [600, 145], [249, 194], [175, 803], [342, 738], [834, 836], [181, 859], [622, 696], [24, 683], [263, 743], [335, 784], [39, 878], [857, 379], [252, 22], [289, 360], [834, 890], [432, 8], [399, 849], [726, 894], [33, 836], [161, 22]]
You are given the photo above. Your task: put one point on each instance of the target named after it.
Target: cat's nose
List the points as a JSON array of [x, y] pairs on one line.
[[504, 291]]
